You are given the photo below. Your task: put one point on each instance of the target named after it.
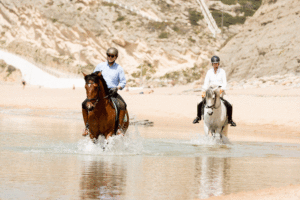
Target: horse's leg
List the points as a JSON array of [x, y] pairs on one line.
[[121, 121], [109, 135], [93, 138], [219, 132], [94, 131], [225, 130], [126, 123], [85, 115], [206, 130]]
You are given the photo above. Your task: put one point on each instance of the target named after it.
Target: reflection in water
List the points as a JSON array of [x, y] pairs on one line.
[[103, 178], [210, 175], [115, 177], [45, 157]]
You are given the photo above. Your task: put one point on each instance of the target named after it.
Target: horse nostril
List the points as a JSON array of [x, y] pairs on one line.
[[90, 108]]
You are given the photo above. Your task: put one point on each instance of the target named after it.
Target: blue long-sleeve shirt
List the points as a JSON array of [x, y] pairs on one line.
[[114, 75]]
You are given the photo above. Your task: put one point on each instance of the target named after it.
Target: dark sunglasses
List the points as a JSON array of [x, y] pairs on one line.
[[111, 56]]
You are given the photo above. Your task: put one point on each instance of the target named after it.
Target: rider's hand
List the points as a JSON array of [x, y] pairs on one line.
[[114, 90], [203, 94], [221, 91]]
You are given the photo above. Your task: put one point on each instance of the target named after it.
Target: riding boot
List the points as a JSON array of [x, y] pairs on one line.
[[85, 118], [199, 112], [229, 112], [118, 96]]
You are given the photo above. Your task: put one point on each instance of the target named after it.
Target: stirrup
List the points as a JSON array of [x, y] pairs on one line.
[[196, 120]]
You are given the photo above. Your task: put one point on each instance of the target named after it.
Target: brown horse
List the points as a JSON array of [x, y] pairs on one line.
[[101, 114]]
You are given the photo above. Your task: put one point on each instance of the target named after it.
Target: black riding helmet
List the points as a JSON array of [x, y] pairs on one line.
[[215, 59], [112, 51]]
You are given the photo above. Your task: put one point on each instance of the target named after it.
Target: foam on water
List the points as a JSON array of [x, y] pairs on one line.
[[115, 145], [130, 144], [209, 140]]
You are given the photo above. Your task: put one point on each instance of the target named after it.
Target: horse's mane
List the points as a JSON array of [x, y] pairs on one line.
[[95, 78], [209, 92]]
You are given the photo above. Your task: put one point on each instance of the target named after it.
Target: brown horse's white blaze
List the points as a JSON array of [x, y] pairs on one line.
[[101, 114]]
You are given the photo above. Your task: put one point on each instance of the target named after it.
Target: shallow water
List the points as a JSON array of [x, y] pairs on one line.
[[44, 156]]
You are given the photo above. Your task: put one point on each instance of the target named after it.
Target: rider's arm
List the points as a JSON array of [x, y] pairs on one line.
[[122, 79]]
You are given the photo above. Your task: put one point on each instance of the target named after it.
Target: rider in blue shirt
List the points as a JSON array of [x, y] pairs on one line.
[[112, 73], [114, 76]]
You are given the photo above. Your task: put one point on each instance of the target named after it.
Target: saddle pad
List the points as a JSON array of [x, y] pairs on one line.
[[120, 104]]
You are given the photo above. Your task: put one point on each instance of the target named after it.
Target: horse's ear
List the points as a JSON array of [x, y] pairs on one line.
[[99, 73], [84, 74]]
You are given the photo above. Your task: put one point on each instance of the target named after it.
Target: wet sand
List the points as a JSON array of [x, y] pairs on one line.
[[263, 114]]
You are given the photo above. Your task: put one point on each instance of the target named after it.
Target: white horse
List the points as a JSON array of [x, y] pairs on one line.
[[215, 113]]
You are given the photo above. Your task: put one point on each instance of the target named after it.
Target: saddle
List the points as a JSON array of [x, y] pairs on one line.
[[120, 105]]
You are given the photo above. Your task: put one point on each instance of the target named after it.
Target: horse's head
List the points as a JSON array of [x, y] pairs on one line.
[[210, 97], [96, 88], [212, 93]]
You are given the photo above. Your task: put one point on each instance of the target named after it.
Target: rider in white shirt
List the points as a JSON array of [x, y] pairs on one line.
[[215, 76]]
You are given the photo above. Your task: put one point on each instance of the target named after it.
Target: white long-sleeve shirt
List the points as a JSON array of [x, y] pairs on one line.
[[215, 79]]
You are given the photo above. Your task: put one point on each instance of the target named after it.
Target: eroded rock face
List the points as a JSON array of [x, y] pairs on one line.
[[9, 73], [267, 45], [74, 35]]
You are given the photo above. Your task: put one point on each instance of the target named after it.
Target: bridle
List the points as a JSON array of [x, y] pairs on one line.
[[97, 98], [213, 106]]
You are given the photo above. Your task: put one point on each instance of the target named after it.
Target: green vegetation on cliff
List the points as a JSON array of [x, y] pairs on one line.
[[247, 8]]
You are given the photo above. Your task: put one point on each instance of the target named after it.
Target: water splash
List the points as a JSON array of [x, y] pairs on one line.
[[129, 144], [209, 140]]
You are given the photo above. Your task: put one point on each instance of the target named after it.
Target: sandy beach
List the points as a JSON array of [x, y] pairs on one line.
[[262, 114]]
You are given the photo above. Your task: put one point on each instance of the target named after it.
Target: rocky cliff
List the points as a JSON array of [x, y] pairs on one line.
[[9, 73], [165, 39], [72, 35], [267, 45]]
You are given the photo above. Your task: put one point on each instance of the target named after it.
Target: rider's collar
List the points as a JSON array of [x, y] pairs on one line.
[[112, 64], [218, 70]]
